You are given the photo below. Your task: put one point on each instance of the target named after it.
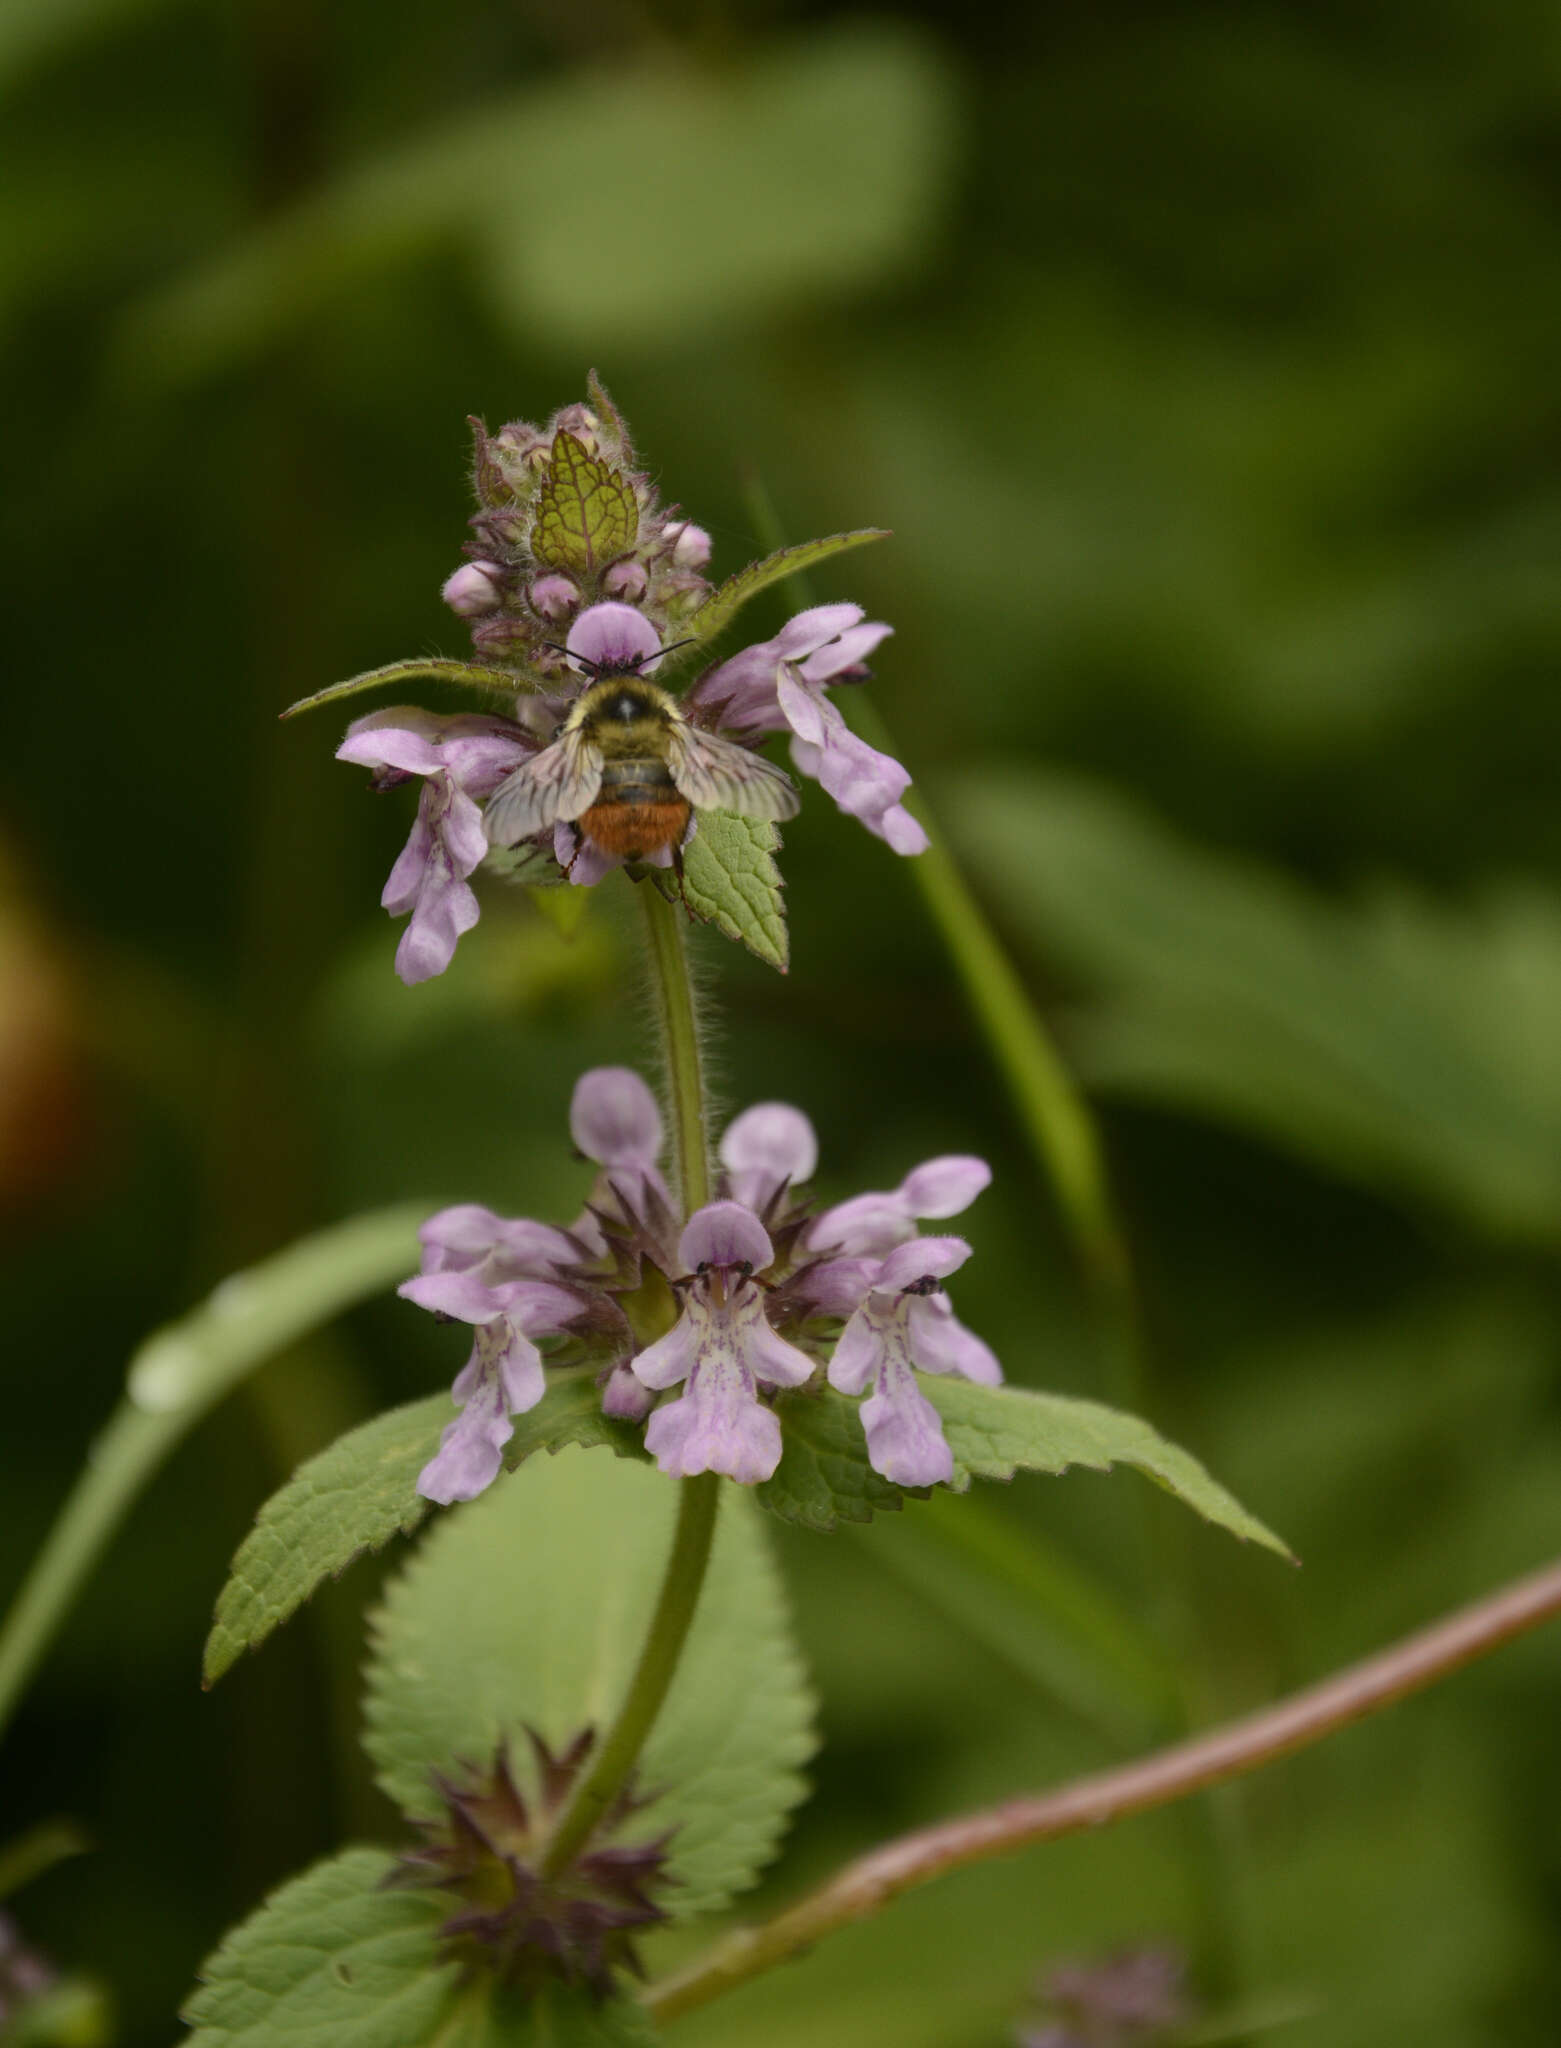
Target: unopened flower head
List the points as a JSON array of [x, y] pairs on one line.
[[719, 1311]]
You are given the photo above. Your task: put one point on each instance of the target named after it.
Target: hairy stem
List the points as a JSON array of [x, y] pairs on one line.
[[700, 1497], [866, 1886], [680, 1043]]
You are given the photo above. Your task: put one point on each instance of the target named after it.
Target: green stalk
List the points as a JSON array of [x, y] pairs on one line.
[[680, 1044], [701, 1496]]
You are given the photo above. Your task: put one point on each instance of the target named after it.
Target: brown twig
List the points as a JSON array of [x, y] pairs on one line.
[[864, 1887]]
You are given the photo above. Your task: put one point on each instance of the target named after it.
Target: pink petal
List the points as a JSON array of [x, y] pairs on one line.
[[945, 1186], [614, 636], [724, 1234], [613, 1118], [924, 1258]]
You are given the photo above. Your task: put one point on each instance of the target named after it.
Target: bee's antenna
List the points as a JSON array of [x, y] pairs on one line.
[[596, 667]]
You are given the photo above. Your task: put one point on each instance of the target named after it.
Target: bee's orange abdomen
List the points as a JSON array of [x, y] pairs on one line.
[[633, 831]]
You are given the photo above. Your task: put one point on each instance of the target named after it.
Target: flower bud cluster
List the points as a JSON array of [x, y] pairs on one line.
[[752, 1294], [530, 574]]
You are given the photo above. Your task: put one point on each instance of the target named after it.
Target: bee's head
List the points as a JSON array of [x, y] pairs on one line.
[[623, 707]]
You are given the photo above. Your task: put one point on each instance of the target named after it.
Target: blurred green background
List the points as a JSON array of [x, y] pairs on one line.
[[1203, 362]]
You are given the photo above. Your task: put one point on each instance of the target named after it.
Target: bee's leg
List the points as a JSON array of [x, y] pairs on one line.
[[569, 865]]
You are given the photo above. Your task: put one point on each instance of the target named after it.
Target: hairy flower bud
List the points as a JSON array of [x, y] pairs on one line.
[[474, 589], [503, 635], [554, 596], [691, 544], [626, 579]]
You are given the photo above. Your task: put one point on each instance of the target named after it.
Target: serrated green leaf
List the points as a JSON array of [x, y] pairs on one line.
[[730, 880], [722, 606], [823, 1478], [473, 675], [330, 1959], [528, 1608], [586, 514], [360, 1492], [997, 1431]]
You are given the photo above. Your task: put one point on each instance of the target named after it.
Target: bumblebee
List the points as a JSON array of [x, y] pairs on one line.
[[626, 769]]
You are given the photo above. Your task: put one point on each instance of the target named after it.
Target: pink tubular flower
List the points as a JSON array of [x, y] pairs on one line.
[[755, 1290], [906, 1321], [503, 1376], [871, 1225], [766, 1149], [462, 760], [781, 683], [614, 1120], [722, 1346]]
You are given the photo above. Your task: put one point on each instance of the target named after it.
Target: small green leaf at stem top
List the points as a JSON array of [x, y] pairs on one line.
[[528, 1608], [360, 1492], [472, 675], [586, 514], [331, 1958], [722, 606], [731, 880]]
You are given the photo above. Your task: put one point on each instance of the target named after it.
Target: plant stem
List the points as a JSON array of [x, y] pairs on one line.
[[866, 1886], [699, 1497], [669, 1625], [680, 1044]]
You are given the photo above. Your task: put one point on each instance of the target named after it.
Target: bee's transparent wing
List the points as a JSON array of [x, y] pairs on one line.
[[716, 775], [560, 782]]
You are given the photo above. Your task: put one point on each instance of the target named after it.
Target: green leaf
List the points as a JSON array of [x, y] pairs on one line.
[[528, 1609], [730, 880], [358, 1494], [722, 606], [473, 675], [330, 1959], [997, 1431], [823, 1478], [586, 514]]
